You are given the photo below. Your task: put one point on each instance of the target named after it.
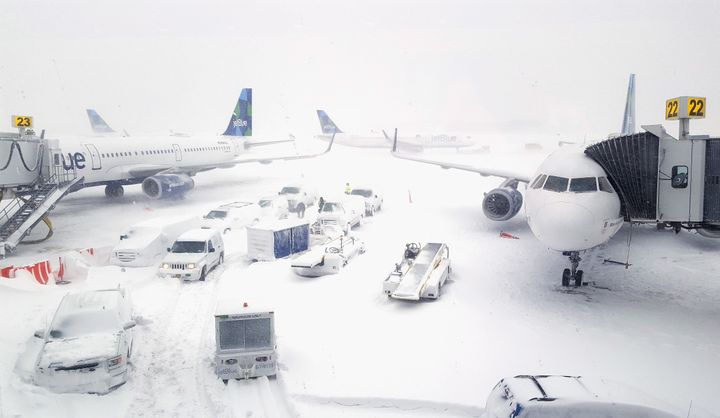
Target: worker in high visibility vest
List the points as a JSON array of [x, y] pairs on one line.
[[348, 189]]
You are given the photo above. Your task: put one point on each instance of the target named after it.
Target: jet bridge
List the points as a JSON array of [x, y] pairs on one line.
[[32, 174], [664, 180]]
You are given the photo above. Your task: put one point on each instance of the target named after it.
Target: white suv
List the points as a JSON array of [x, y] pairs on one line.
[[193, 255], [373, 199], [232, 215]]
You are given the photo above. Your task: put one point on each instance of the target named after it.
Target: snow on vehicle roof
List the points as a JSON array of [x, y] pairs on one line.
[[94, 300], [238, 307], [276, 224], [199, 234], [234, 205]]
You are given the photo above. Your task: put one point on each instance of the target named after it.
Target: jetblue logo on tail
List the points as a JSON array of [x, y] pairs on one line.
[[326, 124], [241, 120], [97, 123]]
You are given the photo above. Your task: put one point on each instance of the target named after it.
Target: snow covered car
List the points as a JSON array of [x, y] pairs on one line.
[[244, 341], [193, 255], [421, 274], [232, 215], [329, 258], [143, 244], [345, 212], [274, 207], [88, 343], [373, 199], [571, 396], [299, 198]]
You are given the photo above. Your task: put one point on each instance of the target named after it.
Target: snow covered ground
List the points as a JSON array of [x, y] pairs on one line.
[[346, 349]]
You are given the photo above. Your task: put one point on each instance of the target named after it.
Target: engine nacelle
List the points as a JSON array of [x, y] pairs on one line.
[[710, 231], [502, 203], [163, 186]]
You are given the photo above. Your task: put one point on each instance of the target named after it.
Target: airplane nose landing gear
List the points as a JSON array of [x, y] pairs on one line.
[[572, 273]]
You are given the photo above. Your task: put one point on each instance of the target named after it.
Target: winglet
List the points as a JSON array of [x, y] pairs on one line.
[[628, 124], [98, 125], [386, 135], [394, 148]]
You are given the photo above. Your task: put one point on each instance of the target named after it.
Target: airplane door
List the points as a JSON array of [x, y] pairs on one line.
[[178, 152], [94, 156]]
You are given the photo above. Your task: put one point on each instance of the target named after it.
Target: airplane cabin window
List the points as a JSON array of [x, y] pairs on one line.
[[538, 181], [583, 184], [556, 184], [605, 185]]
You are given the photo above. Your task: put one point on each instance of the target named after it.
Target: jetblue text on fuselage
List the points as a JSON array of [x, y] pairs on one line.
[[76, 160]]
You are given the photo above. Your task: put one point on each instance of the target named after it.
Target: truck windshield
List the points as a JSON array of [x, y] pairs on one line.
[[188, 247], [290, 190], [216, 214], [332, 207], [362, 192], [245, 334]]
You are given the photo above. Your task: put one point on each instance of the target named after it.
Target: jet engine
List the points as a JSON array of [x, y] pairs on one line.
[[502, 203], [163, 186]]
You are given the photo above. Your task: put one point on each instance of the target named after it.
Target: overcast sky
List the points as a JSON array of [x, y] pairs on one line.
[[518, 67]]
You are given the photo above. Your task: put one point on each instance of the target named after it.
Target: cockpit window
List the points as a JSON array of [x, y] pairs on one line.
[[605, 185], [556, 184], [538, 181], [583, 185]]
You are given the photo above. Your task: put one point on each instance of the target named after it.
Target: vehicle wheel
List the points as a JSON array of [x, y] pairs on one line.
[[372, 210], [347, 228], [566, 277], [225, 381], [226, 230], [203, 273], [221, 259], [578, 278]]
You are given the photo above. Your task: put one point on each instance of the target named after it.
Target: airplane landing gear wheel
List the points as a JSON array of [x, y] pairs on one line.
[[114, 191], [572, 273], [578, 278], [566, 278]]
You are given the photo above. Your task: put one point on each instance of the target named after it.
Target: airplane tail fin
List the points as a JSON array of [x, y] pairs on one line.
[[628, 124], [327, 125], [97, 123], [241, 120]]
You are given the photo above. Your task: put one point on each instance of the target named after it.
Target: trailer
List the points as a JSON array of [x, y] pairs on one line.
[[423, 270], [329, 258], [274, 239], [245, 344]]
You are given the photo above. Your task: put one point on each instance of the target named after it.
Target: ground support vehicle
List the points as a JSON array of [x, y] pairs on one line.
[[422, 272]]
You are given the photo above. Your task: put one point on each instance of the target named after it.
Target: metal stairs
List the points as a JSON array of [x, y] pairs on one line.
[[22, 213]]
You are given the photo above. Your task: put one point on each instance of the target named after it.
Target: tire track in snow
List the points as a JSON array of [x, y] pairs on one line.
[[171, 374]]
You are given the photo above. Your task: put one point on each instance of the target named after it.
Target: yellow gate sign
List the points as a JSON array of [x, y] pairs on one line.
[[696, 107], [19, 121], [685, 107], [671, 108]]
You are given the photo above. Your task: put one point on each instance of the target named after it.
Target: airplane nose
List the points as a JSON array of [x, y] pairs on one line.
[[565, 226]]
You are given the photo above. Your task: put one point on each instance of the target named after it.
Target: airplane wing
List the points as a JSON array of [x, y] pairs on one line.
[[140, 171], [486, 164]]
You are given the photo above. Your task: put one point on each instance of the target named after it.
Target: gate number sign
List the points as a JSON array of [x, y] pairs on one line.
[[19, 121], [685, 108]]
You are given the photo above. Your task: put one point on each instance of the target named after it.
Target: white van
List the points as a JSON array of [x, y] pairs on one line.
[[193, 255], [232, 215]]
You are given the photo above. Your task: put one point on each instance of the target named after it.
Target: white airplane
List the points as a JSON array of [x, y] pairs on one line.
[[164, 165], [415, 143], [570, 204]]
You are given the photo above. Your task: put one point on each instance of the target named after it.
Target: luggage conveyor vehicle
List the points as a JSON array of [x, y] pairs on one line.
[[329, 258], [423, 270]]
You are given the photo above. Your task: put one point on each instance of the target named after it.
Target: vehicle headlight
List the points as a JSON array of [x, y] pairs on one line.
[[191, 266], [165, 265], [115, 361]]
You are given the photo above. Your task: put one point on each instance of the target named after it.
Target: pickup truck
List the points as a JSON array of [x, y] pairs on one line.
[[344, 212], [299, 198], [373, 199]]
